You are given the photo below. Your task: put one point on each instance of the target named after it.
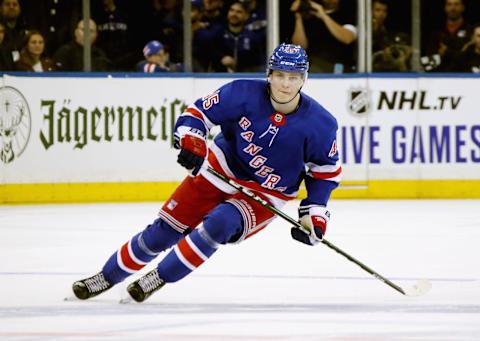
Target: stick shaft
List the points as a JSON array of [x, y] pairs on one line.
[[292, 221]]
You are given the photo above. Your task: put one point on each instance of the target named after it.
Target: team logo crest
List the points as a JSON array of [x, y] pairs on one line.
[[15, 124], [358, 101]]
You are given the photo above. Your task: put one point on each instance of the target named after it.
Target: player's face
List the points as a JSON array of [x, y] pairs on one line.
[[285, 85]]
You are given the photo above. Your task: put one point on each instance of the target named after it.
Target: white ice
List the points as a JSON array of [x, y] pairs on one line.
[[267, 288]]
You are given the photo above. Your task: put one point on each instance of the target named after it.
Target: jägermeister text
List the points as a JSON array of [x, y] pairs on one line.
[[80, 126]]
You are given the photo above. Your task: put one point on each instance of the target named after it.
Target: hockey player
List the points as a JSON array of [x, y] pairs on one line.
[[272, 138]]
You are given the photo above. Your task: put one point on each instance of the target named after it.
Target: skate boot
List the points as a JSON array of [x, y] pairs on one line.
[[91, 286], [145, 286]]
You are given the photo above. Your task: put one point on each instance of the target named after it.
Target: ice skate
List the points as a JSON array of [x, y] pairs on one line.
[[145, 286], [91, 286]]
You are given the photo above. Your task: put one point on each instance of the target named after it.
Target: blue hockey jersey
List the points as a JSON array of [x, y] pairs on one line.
[[265, 150]]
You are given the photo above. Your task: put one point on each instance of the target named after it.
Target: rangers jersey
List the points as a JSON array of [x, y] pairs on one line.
[[264, 150]]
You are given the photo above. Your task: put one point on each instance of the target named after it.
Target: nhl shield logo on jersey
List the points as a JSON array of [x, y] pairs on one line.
[[278, 119], [358, 101], [15, 124]]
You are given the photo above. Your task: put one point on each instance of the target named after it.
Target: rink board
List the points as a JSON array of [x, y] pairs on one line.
[[160, 191], [87, 139]]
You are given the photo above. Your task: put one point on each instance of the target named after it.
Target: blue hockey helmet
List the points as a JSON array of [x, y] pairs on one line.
[[288, 58]]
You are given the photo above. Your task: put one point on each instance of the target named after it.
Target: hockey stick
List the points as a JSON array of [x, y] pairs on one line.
[[420, 288]]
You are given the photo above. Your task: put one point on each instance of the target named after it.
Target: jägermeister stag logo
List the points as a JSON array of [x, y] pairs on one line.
[[15, 124]]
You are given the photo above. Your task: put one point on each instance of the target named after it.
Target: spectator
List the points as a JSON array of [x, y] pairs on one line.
[[326, 33], [238, 49], [69, 57], [391, 52], [163, 21], [55, 19], [10, 14], [197, 11], [380, 35], [395, 57], [6, 59], [213, 11], [31, 55], [258, 16], [469, 58], [202, 38], [445, 44], [156, 59], [114, 34]]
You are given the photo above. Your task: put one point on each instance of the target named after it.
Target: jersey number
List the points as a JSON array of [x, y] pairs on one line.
[[210, 100]]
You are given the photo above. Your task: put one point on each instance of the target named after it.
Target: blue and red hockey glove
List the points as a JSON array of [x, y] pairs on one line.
[[314, 219], [193, 150]]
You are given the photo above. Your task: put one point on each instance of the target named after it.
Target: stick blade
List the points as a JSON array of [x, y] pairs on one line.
[[422, 287]]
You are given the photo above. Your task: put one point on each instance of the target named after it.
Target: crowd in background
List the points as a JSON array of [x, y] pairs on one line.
[[453, 45], [230, 35]]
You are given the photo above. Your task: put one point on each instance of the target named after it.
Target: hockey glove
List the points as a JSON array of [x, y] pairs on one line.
[[193, 150], [314, 219]]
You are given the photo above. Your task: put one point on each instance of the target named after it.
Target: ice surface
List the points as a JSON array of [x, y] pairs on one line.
[[267, 288]]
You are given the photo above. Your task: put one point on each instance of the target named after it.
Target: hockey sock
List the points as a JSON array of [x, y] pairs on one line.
[[139, 251], [218, 228], [187, 255]]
